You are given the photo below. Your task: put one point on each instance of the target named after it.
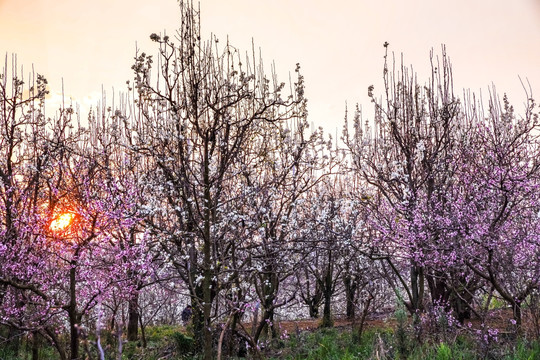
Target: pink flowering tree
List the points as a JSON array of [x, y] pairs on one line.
[[85, 211], [28, 151], [60, 207], [406, 158], [496, 205]]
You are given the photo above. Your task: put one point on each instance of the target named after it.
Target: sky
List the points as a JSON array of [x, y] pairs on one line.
[[90, 45]]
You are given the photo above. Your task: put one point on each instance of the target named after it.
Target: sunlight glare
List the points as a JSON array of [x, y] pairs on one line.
[[61, 222]]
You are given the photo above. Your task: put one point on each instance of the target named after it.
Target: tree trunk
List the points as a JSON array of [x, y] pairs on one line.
[[516, 307], [350, 293], [328, 290], [14, 342], [73, 325], [133, 317], [207, 302], [438, 289], [460, 301], [143, 333], [255, 321], [417, 290], [267, 319], [207, 252], [57, 343], [197, 317], [313, 309], [365, 312], [120, 348], [327, 313], [35, 345], [231, 341]]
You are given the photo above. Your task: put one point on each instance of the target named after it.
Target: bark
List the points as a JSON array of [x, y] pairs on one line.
[[417, 290], [516, 307], [14, 343], [143, 333], [57, 343], [365, 312], [133, 318], [120, 349], [72, 311], [197, 317], [207, 249], [313, 309], [350, 293], [267, 319], [328, 291], [36, 343], [255, 320]]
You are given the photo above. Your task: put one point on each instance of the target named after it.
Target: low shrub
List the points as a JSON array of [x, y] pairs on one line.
[[185, 345]]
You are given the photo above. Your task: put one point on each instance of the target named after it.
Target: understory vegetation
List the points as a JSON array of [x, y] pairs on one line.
[[340, 343]]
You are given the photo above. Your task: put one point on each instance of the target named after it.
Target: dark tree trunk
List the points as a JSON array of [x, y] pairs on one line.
[[143, 333], [457, 298], [365, 312], [207, 252], [314, 301], [461, 304], [313, 309], [516, 307], [73, 318], [266, 326], [57, 343], [197, 317], [350, 293], [438, 289], [327, 313], [414, 290], [328, 291], [133, 317], [14, 342], [417, 291], [35, 345]]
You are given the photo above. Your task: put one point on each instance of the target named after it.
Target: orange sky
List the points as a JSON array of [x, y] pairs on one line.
[[338, 43]]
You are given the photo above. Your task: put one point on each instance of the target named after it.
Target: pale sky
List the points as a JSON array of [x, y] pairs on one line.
[[338, 43]]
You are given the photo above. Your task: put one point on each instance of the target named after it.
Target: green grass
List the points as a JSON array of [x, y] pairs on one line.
[[461, 349], [340, 344], [332, 343], [326, 344], [45, 353], [525, 350]]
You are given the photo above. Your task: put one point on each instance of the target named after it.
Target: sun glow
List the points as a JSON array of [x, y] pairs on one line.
[[61, 222]]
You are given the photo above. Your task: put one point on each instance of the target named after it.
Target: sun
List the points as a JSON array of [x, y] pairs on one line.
[[61, 222]]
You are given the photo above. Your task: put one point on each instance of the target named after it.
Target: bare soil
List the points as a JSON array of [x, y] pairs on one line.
[[497, 319]]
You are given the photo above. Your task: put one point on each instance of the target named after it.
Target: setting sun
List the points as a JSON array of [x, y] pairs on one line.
[[61, 222]]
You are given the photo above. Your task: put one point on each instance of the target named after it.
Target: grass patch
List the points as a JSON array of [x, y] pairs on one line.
[[171, 342], [461, 349], [384, 344], [330, 343]]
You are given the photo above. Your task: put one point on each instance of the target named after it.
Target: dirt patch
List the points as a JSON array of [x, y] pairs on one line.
[[292, 326], [497, 319]]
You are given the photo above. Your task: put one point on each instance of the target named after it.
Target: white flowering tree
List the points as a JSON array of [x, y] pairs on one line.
[[199, 109], [291, 161]]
